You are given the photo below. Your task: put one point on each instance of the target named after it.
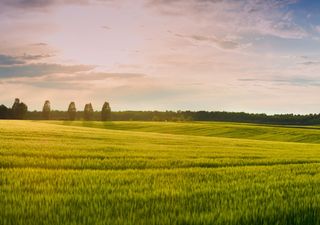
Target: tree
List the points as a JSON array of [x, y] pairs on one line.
[[88, 112], [106, 112], [46, 110], [4, 112], [14, 109], [19, 109], [72, 111]]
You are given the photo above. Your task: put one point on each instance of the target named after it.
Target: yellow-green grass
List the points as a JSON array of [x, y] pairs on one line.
[[156, 174], [306, 134]]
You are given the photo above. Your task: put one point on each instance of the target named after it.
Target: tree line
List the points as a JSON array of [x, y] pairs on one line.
[[283, 119], [19, 110]]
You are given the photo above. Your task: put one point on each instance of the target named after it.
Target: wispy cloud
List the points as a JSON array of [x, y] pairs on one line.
[[91, 77], [23, 4], [35, 70], [80, 80], [6, 60], [39, 44], [291, 81], [31, 57], [310, 63], [106, 27], [317, 28], [211, 40], [264, 17]]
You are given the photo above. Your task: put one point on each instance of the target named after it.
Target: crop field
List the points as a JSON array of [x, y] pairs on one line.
[[59, 172]]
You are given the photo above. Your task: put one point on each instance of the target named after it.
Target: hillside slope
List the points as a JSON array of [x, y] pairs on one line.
[[57, 174], [304, 134]]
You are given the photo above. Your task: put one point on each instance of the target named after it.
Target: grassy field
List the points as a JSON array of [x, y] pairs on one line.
[[305, 134], [54, 172]]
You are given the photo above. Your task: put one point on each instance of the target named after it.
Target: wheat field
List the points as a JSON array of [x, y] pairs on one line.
[[58, 172]]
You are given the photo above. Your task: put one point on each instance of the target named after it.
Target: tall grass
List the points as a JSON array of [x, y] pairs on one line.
[[55, 174], [304, 134]]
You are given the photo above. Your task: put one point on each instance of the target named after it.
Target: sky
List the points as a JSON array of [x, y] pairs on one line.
[[218, 55]]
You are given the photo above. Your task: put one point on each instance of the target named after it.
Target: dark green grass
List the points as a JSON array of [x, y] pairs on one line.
[[57, 174]]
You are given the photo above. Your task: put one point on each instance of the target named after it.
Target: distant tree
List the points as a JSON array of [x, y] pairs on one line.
[[4, 112], [72, 111], [19, 109], [14, 109], [106, 112], [88, 112], [46, 110]]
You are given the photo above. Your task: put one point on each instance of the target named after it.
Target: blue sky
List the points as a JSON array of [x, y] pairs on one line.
[[234, 55]]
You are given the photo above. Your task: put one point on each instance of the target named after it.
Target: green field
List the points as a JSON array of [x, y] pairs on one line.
[[55, 172]]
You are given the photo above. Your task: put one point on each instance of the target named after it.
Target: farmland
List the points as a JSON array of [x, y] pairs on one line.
[[54, 172]]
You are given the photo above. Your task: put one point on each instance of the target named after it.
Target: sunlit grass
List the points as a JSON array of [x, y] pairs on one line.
[[157, 173], [306, 134]]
